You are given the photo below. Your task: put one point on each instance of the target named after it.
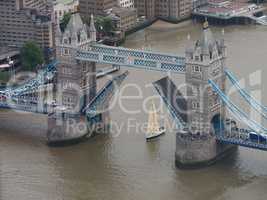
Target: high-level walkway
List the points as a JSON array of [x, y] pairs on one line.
[[140, 59]]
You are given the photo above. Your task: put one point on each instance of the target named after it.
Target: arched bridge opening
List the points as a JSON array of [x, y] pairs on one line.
[[217, 123]]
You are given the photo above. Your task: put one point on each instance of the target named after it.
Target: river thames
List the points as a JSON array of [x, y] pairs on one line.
[[121, 165]]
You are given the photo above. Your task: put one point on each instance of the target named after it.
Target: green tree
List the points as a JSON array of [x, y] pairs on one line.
[[64, 22], [31, 56], [104, 25]]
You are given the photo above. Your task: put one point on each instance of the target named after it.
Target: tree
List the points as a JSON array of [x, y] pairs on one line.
[[31, 56], [104, 25], [108, 25], [64, 22]]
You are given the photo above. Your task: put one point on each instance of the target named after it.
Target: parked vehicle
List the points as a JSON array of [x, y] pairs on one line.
[[256, 137]]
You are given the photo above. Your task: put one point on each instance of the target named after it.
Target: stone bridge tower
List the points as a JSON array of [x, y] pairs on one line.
[[206, 60], [75, 82]]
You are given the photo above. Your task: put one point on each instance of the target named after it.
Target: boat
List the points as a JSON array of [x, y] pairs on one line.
[[154, 130]]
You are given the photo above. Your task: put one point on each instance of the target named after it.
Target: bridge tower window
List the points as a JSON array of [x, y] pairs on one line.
[[195, 105], [196, 68], [210, 54], [79, 37], [66, 52]]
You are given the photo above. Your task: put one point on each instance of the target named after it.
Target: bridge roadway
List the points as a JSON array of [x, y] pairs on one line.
[[242, 142], [237, 136], [132, 58], [104, 95], [241, 137], [27, 106], [174, 101]]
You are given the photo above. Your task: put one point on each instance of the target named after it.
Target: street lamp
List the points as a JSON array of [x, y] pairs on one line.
[[11, 64]]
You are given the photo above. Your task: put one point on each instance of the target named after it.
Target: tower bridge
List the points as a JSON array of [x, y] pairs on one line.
[[203, 131]]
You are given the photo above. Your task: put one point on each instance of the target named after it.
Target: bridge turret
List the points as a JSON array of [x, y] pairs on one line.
[[206, 60], [76, 32], [58, 34], [92, 29], [206, 49]]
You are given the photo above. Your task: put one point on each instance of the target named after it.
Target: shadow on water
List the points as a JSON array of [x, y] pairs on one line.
[[211, 182]]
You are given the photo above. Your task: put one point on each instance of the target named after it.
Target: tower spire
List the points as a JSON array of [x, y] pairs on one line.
[[92, 29], [58, 33]]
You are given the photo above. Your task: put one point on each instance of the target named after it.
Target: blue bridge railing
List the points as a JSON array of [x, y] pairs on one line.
[[133, 58]]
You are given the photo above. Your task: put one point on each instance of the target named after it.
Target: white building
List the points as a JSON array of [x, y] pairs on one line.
[[126, 3], [62, 7]]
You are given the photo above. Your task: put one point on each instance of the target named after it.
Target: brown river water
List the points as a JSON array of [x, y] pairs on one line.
[[121, 165]]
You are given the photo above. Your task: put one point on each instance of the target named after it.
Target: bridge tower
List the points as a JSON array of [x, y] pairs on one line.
[[206, 114], [75, 82]]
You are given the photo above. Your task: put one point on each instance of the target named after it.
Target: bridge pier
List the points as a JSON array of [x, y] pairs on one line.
[[195, 152], [67, 128], [99, 124], [64, 129]]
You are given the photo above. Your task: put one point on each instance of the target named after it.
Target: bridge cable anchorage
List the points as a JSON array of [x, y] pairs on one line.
[[243, 117], [248, 98], [105, 94]]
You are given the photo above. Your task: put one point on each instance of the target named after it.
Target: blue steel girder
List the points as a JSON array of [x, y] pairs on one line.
[[14, 97], [27, 106], [99, 103], [241, 142], [140, 59], [40, 80], [31, 85]]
